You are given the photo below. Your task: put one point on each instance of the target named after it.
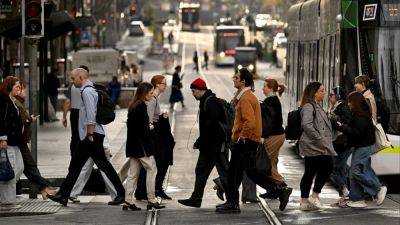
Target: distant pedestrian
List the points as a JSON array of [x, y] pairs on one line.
[[211, 142], [140, 148], [52, 85], [170, 39], [246, 135], [91, 136], [10, 140], [176, 93], [360, 133], [31, 171], [205, 60], [274, 133], [340, 111], [114, 89], [196, 61], [163, 141], [315, 145]]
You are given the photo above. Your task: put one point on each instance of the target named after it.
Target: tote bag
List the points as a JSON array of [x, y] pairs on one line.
[[6, 170], [381, 140]]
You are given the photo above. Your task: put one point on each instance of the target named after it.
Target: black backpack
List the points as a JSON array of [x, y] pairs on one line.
[[229, 111], [105, 106], [293, 128], [267, 115]]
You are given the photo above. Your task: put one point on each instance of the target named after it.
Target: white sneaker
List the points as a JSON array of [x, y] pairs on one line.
[[307, 207], [380, 197], [345, 192], [357, 204], [315, 202]]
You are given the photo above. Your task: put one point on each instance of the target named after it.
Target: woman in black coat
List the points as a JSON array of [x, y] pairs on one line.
[[139, 148], [176, 93], [360, 134]]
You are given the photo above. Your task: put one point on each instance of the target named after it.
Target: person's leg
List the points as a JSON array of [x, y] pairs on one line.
[[141, 192], [310, 169], [162, 169], [204, 166], [362, 172], [235, 174], [8, 188], [340, 170], [324, 171], [99, 158], [78, 160], [82, 179], [74, 118], [249, 190], [273, 145], [131, 180], [151, 169], [110, 187], [31, 170], [222, 165]]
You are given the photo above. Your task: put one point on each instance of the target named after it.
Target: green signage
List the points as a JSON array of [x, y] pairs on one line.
[[350, 13]]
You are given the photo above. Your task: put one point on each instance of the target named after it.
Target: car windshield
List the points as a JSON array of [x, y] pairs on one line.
[[245, 56]]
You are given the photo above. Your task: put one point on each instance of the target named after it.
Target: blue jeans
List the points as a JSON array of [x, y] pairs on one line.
[[340, 173], [362, 177]]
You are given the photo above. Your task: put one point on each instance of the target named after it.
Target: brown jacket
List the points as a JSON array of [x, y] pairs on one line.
[[247, 122]]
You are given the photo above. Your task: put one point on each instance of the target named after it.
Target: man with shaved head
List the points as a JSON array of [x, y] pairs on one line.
[[91, 135]]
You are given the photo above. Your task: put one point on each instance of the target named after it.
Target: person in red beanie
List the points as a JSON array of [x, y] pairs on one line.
[[211, 142]]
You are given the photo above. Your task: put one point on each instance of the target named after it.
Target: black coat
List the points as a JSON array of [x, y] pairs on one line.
[[10, 122], [277, 121], [139, 138], [165, 141], [210, 118], [360, 131]]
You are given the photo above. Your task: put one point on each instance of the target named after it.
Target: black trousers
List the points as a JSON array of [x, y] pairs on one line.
[[94, 150], [319, 167], [205, 165], [31, 170], [243, 160], [74, 119]]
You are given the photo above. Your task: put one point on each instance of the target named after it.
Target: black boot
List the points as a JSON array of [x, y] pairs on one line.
[[228, 208], [270, 195], [130, 206], [163, 195], [58, 198], [190, 202], [284, 197], [220, 190], [117, 201], [155, 205]]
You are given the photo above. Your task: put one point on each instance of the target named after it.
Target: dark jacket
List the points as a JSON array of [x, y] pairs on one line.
[[10, 122], [210, 118], [342, 114], [360, 130], [166, 141], [139, 142], [277, 121]]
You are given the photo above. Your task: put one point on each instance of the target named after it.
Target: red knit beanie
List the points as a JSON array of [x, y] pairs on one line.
[[198, 84]]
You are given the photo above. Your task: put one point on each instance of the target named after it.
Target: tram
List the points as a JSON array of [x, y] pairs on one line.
[[189, 16], [334, 41], [227, 38]]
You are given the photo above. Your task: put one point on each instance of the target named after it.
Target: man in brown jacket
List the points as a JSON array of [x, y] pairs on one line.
[[246, 134]]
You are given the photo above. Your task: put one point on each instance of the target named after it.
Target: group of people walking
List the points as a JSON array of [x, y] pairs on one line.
[[327, 140]]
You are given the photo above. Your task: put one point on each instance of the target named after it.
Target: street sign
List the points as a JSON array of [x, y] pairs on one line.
[[5, 6]]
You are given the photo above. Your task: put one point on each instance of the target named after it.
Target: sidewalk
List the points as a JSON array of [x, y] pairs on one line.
[[291, 167]]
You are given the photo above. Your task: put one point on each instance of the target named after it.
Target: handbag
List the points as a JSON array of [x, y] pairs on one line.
[[381, 140], [263, 162], [6, 170]]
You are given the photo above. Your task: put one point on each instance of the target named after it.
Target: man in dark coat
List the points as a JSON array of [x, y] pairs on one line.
[[211, 142]]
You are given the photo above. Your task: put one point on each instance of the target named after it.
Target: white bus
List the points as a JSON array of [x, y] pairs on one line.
[[227, 38]]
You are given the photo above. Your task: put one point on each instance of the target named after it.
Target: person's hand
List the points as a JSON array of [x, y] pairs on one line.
[[90, 138], [262, 140], [151, 126], [34, 118], [3, 145], [165, 115], [64, 122]]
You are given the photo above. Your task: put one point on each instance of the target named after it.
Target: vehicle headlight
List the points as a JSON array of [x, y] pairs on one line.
[[240, 67], [251, 67], [222, 54]]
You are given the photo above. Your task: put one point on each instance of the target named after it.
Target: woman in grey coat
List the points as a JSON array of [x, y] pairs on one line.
[[315, 145]]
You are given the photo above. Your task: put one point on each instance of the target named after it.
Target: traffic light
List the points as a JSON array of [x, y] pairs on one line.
[[33, 17]]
